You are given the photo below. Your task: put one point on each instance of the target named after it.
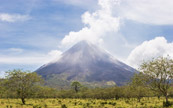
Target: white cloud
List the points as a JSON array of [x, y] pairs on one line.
[[15, 50], [150, 49], [55, 54], [107, 19], [30, 58], [157, 12], [97, 24], [13, 17]]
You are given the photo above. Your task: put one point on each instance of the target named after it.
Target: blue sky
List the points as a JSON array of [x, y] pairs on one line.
[[34, 32]]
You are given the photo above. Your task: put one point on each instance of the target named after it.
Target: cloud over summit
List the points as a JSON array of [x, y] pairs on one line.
[[96, 24]]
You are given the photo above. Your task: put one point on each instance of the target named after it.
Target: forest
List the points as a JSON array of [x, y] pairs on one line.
[[151, 86]]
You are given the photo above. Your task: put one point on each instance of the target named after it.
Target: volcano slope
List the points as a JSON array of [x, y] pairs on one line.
[[87, 63]]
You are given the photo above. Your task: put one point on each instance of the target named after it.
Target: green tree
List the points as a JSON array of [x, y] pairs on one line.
[[3, 92], [45, 92], [137, 87], [22, 83], [158, 74], [76, 85], [127, 92]]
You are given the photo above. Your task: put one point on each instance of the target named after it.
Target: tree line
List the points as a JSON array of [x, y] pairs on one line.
[[154, 78]]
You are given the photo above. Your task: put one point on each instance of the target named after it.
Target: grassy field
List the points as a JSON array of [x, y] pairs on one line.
[[83, 103]]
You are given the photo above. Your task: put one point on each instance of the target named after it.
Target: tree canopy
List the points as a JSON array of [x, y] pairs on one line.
[[158, 74], [22, 83], [76, 85]]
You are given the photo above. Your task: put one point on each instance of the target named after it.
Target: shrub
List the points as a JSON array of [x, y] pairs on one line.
[[112, 103], [167, 104], [63, 106]]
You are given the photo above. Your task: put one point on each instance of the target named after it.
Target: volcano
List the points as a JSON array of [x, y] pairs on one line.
[[88, 63]]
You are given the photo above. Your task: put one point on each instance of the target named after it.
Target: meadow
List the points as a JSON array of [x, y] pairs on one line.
[[146, 102]]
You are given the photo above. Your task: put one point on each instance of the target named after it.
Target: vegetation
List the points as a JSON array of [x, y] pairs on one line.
[[146, 89], [158, 75], [83, 103], [138, 87], [20, 83], [76, 85]]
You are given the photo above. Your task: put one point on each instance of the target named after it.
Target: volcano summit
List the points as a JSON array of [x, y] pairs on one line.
[[87, 63]]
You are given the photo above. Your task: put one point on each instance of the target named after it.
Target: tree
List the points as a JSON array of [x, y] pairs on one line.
[[22, 83], [158, 74], [76, 85], [3, 92], [137, 87]]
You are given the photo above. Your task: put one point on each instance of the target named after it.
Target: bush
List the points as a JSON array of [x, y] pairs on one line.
[[63, 106], [167, 104], [112, 103]]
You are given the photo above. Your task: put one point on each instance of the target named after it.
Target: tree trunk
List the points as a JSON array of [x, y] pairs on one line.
[[116, 97], [76, 89], [139, 99], [158, 97], [166, 98], [23, 100]]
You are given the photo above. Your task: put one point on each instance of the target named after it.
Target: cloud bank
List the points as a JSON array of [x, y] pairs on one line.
[[28, 58], [150, 49]]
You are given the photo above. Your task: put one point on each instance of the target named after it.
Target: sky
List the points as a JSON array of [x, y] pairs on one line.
[[35, 32]]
